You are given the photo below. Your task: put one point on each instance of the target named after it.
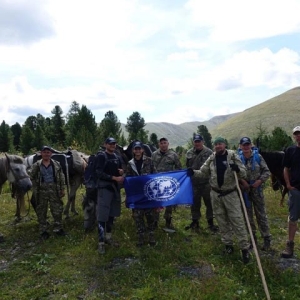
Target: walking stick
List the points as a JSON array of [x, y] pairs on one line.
[[252, 239]]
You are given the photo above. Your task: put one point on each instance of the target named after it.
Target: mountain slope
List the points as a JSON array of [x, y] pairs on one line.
[[282, 111]]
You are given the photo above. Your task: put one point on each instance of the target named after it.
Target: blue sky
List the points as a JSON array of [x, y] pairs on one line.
[[171, 60]]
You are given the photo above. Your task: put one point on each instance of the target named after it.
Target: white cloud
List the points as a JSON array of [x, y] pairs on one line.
[[187, 62]]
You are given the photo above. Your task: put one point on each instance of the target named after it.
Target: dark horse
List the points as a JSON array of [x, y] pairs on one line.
[[274, 161], [148, 150]]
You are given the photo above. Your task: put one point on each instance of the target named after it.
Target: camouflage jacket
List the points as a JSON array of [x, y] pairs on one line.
[[209, 170], [147, 167], [257, 170], [168, 161], [196, 160], [36, 178]]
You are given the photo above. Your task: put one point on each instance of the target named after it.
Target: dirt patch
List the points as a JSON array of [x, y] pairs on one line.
[[204, 271]]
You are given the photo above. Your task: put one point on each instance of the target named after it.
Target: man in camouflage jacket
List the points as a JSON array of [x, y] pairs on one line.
[[140, 165], [195, 158], [257, 173], [220, 168], [164, 160], [48, 182]]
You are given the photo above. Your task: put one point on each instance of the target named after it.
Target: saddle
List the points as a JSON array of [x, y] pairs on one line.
[[65, 160]]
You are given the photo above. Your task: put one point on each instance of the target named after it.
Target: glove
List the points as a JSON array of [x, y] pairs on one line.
[[234, 167], [190, 172]]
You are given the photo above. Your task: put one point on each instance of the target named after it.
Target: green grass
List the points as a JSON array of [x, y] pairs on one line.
[[183, 265]]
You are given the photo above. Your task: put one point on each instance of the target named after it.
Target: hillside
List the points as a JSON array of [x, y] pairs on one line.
[[282, 110]]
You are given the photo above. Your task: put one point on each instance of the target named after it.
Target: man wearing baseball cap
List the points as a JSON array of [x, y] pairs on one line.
[[164, 160], [109, 175], [291, 172], [48, 189], [257, 174], [195, 158], [220, 168]]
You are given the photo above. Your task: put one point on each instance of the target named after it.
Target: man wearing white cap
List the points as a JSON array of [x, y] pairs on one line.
[[291, 172]]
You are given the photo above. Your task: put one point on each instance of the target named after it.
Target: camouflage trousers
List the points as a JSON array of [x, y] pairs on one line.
[[229, 215], [139, 216], [257, 203], [48, 195], [201, 192], [89, 204]]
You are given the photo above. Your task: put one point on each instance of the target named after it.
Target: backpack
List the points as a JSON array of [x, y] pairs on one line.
[[89, 172], [255, 156], [90, 176]]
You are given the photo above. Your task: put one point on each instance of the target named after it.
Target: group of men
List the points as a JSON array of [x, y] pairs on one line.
[[217, 176]]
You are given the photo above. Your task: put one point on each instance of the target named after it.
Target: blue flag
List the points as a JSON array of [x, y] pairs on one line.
[[158, 190]]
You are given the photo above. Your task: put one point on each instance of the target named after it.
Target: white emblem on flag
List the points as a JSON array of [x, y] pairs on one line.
[[163, 188]]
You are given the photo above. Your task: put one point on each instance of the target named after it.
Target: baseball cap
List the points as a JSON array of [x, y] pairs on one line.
[[219, 140], [137, 144], [163, 139], [110, 140], [46, 148], [198, 137], [297, 128], [245, 140]]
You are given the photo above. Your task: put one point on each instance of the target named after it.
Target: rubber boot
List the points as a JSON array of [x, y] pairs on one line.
[[245, 256], [288, 252]]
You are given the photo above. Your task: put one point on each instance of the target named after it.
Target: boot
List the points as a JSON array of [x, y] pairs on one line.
[[228, 249], [213, 228], [267, 244], [101, 247], [169, 226], [245, 256], [288, 252], [140, 241], [109, 241], [152, 241], [194, 225]]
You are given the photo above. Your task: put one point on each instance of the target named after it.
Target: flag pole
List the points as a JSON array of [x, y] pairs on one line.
[[252, 238]]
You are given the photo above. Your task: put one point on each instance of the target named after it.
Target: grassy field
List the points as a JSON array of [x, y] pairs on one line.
[[182, 265]]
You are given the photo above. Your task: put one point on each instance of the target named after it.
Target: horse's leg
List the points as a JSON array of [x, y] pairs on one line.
[[74, 188], [283, 193]]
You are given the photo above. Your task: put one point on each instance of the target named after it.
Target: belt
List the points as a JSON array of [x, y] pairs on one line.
[[222, 192]]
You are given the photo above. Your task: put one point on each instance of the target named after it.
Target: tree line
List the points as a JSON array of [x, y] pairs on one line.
[[79, 130]]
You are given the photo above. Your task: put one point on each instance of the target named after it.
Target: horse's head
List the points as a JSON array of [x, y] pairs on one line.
[[16, 172]]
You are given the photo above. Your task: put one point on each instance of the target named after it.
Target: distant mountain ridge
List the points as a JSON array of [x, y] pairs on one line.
[[282, 111]]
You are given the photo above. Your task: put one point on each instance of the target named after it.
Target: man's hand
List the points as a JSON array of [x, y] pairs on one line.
[[119, 179], [234, 167], [190, 172]]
